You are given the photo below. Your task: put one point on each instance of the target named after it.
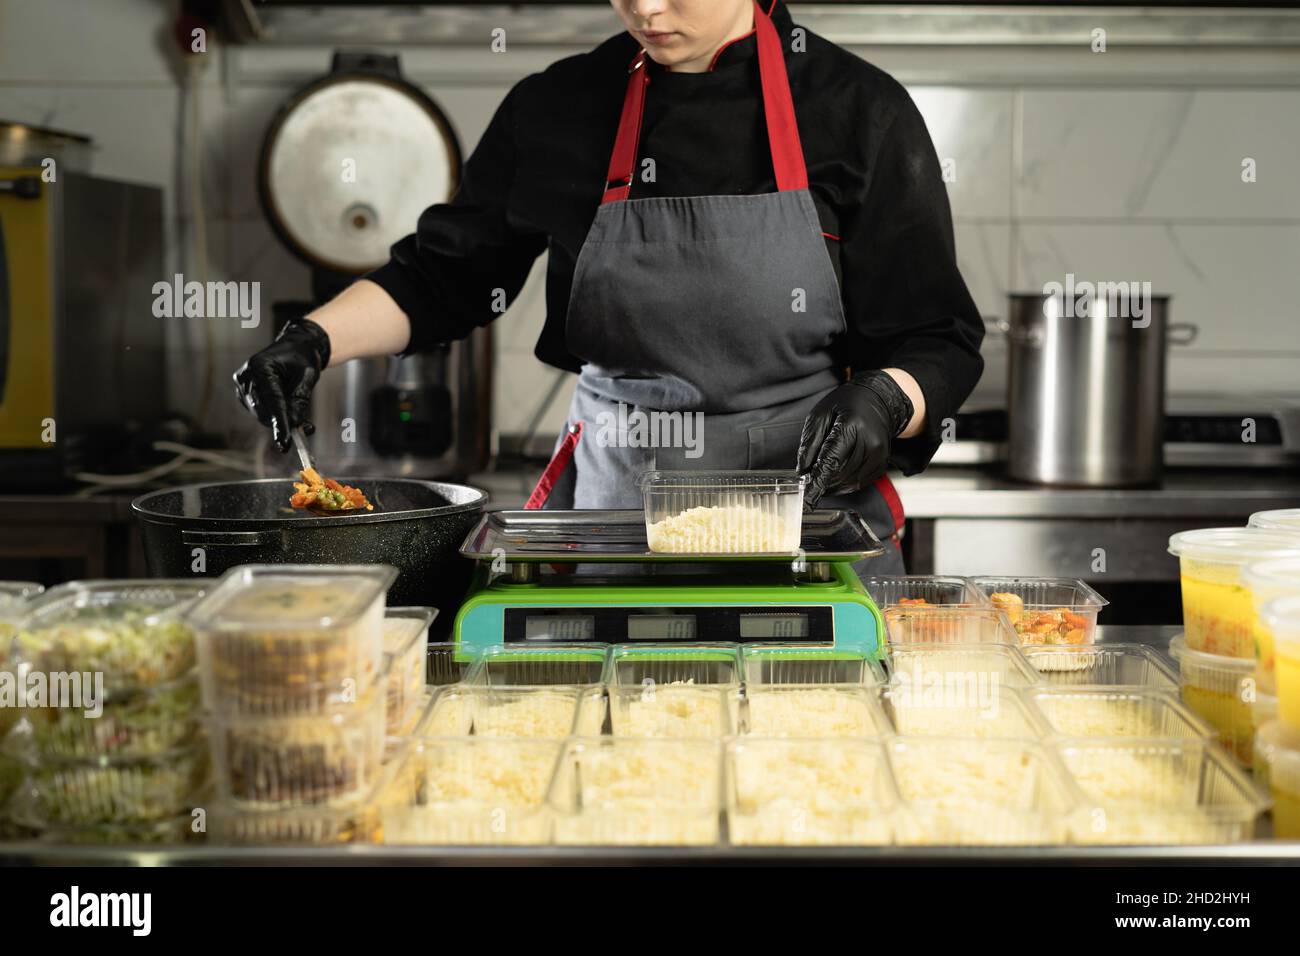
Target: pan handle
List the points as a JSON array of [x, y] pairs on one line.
[[230, 539]]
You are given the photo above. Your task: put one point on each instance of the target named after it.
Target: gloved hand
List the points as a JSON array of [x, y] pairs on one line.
[[847, 437], [276, 383]]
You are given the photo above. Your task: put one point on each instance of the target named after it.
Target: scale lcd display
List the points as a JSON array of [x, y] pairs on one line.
[[554, 627], [661, 627], [773, 627]]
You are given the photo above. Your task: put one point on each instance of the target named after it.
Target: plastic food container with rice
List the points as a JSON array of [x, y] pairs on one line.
[[906, 624], [1160, 791], [290, 640], [922, 665], [569, 664], [1046, 611], [1221, 690], [810, 710], [1103, 665], [664, 710], [1268, 581], [619, 791], [547, 712], [675, 664], [723, 512], [808, 793], [808, 664], [406, 643], [1282, 618], [470, 791], [963, 792], [1277, 747], [448, 662], [1117, 712], [1218, 612], [976, 706]]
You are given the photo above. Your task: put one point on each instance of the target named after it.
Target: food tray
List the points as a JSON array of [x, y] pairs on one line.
[[612, 536], [908, 589], [182, 829], [330, 757], [406, 642], [947, 624], [471, 791], [136, 723], [132, 632], [572, 664], [964, 792], [1159, 791], [288, 640], [546, 712], [919, 664], [1112, 712], [977, 707], [1051, 611], [664, 710], [1218, 613], [808, 664], [722, 512], [810, 711], [637, 664], [619, 791], [1103, 665], [1220, 690], [808, 793]]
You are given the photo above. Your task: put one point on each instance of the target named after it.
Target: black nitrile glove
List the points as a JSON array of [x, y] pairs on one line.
[[276, 383], [847, 437]]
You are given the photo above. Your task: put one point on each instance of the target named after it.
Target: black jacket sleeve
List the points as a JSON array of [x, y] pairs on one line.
[[467, 257], [905, 301]]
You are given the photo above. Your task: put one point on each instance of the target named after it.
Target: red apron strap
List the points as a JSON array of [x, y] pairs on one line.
[[563, 455], [778, 109], [894, 503]]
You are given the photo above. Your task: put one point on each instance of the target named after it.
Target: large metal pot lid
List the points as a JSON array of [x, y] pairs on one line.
[[265, 501], [348, 165]]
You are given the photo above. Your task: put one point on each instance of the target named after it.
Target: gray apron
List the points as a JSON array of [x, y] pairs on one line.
[[705, 325]]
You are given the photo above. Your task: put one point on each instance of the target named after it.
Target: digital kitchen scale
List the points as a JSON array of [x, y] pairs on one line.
[[590, 576]]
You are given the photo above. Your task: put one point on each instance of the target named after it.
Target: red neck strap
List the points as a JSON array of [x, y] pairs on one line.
[[778, 109]]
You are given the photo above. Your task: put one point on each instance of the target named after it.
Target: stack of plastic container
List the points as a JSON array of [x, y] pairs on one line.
[[113, 750], [1217, 653], [295, 699], [14, 599], [1279, 740]]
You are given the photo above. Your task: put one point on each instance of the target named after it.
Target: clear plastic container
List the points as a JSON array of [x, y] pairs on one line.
[[132, 632], [906, 624], [137, 723], [1278, 749], [11, 778], [449, 663], [406, 642], [15, 598], [979, 792], [1221, 690], [618, 791], [175, 831], [110, 790], [560, 663], [1282, 617], [923, 664], [471, 791], [668, 710], [975, 707], [923, 590], [809, 664], [1284, 519], [723, 512], [1158, 791], [1103, 665], [1268, 581], [675, 664], [1218, 613], [808, 793], [1115, 712], [810, 711], [330, 757], [230, 823], [286, 640], [547, 712], [1048, 611]]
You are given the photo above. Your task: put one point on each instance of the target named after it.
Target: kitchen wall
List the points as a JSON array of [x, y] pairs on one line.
[[1118, 165]]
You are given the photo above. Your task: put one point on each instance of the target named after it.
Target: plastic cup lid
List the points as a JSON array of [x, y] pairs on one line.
[[1284, 519], [1234, 545], [1180, 652]]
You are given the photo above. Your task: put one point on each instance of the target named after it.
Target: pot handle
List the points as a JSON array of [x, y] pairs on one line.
[[229, 539], [1182, 333]]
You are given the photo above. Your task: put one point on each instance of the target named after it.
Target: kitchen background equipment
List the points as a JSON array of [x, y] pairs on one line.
[[81, 351], [347, 166], [24, 145], [611, 587], [417, 527], [1085, 392]]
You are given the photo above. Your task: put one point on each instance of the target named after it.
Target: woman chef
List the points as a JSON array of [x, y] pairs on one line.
[[742, 219]]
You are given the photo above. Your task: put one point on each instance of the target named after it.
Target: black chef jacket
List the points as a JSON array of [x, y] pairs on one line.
[[535, 180]]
